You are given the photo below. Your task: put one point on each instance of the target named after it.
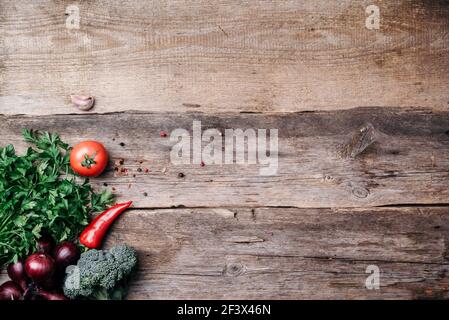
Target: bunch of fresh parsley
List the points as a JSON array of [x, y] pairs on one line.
[[39, 194]]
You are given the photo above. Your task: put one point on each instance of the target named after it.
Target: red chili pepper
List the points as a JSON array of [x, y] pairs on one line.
[[94, 233]]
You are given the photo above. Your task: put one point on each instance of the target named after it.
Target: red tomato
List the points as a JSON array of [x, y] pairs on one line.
[[89, 158]]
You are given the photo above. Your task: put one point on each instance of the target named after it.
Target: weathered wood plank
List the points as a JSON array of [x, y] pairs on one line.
[[227, 55], [407, 165], [287, 253]]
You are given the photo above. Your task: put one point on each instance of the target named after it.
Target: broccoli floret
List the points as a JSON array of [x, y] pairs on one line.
[[101, 274]]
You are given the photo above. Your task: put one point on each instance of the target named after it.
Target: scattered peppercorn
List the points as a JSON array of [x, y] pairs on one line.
[[147, 170], [145, 194], [122, 144], [202, 163], [121, 162], [181, 175], [105, 184], [139, 169], [113, 189], [163, 134]]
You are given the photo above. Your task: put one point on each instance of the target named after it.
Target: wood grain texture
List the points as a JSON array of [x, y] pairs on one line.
[[225, 231], [223, 56], [407, 165], [287, 253], [282, 253]]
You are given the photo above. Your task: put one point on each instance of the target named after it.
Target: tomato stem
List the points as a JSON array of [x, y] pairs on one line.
[[89, 161]]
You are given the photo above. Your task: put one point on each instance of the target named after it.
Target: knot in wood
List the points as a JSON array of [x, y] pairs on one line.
[[360, 140], [234, 269], [360, 192]]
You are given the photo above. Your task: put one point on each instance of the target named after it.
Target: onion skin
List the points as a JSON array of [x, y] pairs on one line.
[[45, 244], [39, 267], [10, 291], [16, 272], [52, 283], [66, 254]]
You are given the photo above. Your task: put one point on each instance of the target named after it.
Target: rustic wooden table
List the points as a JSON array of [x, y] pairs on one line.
[[313, 70]]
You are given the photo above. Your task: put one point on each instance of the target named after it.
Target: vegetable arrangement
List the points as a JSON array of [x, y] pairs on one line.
[[41, 203], [38, 192]]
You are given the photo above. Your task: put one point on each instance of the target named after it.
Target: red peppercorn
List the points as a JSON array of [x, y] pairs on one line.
[[163, 134]]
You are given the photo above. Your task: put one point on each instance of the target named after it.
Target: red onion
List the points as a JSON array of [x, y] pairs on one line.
[[39, 267], [16, 272], [66, 253], [45, 244], [52, 283], [10, 291]]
